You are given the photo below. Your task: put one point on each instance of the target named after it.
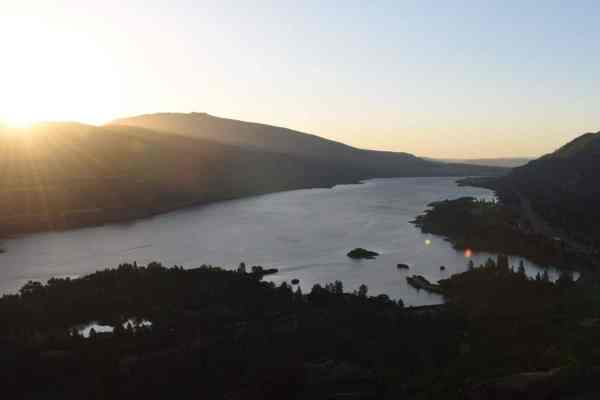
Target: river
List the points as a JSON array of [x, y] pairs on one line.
[[304, 233]]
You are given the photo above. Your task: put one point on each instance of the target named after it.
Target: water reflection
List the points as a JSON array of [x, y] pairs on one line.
[[96, 327], [132, 323]]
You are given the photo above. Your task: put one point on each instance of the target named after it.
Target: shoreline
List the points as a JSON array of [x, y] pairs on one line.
[[132, 216], [480, 226], [531, 225]]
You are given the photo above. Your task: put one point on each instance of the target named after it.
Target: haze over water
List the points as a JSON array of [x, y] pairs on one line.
[[304, 233]]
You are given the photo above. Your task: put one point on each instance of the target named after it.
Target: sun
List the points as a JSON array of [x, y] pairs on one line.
[[50, 72]]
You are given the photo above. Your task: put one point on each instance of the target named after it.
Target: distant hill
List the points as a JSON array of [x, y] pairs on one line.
[[66, 175], [63, 175], [245, 134], [287, 141], [508, 162], [564, 187]]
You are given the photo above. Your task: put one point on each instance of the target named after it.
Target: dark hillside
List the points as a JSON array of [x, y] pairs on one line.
[[63, 175], [564, 187], [67, 175], [367, 163]]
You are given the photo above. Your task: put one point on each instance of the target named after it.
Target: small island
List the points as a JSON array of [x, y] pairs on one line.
[[402, 266], [360, 253]]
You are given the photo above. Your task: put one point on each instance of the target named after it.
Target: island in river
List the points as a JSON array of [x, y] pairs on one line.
[[360, 253]]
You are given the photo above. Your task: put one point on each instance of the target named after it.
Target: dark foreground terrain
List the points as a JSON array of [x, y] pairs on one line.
[[228, 335]]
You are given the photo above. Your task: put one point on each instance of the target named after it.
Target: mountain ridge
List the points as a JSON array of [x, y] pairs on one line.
[[66, 175], [562, 187], [284, 140], [504, 162], [204, 125]]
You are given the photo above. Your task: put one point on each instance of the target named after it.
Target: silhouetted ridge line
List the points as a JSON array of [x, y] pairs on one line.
[[65, 175]]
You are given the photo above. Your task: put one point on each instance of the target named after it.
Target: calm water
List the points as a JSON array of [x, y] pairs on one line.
[[304, 233]]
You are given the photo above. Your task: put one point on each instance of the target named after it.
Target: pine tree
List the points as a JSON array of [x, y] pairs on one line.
[[363, 290], [338, 287], [298, 294], [490, 263], [242, 268], [503, 261], [545, 276], [521, 270]]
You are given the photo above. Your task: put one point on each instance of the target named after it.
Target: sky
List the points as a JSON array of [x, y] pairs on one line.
[[445, 79]]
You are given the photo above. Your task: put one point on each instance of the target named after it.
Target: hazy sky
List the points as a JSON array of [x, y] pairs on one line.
[[442, 79]]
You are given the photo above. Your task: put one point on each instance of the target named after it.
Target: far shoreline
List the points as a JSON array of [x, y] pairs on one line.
[[132, 216]]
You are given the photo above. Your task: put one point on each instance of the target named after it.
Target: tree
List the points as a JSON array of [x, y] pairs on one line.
[[384, 299], [502, 261], [318, 295], [154, 265], [119, 330], [257, 270], [242, 268], [285, 288], [471, 265], [565, 279], [545, 276], [338, 287], [521, 270], [363, 290], [298, 294], [316, 288], [31, 287], [129, 328]]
